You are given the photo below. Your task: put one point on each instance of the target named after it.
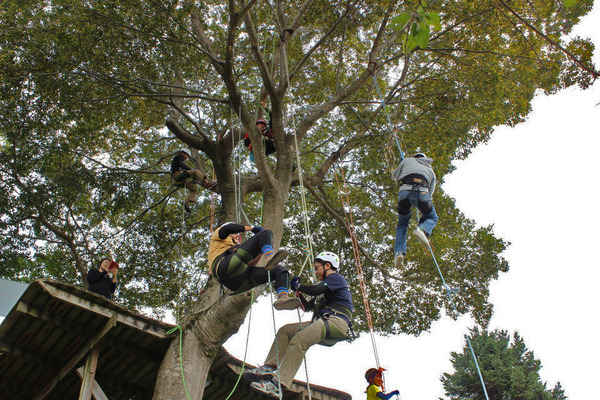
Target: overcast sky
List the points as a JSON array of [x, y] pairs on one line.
[[537, 183]]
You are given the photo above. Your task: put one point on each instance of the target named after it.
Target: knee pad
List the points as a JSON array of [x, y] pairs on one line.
[[404, 206], [426, 207]]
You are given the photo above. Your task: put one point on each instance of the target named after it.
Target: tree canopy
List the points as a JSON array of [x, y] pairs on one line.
[[509, 369], [88, 89]]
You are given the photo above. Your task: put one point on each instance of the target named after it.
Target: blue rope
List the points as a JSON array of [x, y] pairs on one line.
[[449, 292], [387, 115]]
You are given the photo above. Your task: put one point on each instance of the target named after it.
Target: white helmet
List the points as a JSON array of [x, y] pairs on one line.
[[418, 155], [329, 257]]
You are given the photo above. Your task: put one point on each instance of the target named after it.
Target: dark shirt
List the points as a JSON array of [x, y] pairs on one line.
[[335, 290], [100, 282], [178, 164]]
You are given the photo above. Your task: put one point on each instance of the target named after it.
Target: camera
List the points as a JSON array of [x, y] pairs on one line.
[[113, 265]]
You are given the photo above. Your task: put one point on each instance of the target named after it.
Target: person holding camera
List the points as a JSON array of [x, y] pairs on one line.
[[99, 280]]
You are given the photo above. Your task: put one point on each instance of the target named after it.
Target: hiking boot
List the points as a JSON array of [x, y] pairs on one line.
[[399, 260], [187, 206], [286, 302], [269, 388], [422, 237], [260, 373], [275, 259]]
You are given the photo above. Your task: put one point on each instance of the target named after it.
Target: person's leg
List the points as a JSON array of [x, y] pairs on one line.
[[193, 191], [233, 270], [262, 242], [429, 217], [297, 348], [403, 219], [283, 337]]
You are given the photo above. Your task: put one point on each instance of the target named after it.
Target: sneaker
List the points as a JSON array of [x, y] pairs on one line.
[[399, 260], [422, 237], [275, 259], [187, 206], [287, 303], [260, 373], [269, 388]]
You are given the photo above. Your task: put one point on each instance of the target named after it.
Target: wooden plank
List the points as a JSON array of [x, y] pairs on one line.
[[142, 323], [97, 391], [85, 349], [89, 375]]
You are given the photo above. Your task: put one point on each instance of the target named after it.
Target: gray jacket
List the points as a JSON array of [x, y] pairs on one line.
[[421, 166]]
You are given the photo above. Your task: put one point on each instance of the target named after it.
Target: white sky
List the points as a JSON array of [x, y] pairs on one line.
[[535, 183]]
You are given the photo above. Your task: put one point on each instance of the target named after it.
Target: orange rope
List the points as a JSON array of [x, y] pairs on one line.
[[355, 249]]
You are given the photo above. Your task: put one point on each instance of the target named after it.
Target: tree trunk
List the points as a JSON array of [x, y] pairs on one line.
[[205, 327]]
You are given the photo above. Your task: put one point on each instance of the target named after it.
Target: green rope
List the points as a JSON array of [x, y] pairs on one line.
[[246, 350], [181, 358]]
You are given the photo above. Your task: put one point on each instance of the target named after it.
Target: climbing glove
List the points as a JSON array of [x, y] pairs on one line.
[[256, 229], [295, 283]]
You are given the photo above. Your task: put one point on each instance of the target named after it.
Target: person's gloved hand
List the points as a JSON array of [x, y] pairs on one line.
[[395, 393], [256, 229], [295, 283]]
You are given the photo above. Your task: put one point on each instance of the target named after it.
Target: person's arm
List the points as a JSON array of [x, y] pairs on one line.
[[182, 164], [384, 396], [313, 290], [113, 283], [230, 229], [95, 275]]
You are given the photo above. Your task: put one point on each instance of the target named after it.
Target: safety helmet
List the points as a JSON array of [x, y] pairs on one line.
[[419, 155], [371, 374], [329, 257], [227, 223], [261, 121], [185, 151]]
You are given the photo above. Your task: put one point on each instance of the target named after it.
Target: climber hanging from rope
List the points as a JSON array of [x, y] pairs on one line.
[[265, 128], [181, 174], [331, 322], [417, 184], [374, 377], [233, 262]]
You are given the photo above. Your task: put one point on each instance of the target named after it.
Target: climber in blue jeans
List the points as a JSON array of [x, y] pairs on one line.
[[417, 184]]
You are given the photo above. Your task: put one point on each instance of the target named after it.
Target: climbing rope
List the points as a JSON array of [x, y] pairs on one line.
[[275, 333], [355, 248], [246, 348], [177, 327], [307, 235], [373, 71], [449, 294]]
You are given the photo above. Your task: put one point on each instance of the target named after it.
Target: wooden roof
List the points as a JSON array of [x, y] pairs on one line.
[[51, 330]]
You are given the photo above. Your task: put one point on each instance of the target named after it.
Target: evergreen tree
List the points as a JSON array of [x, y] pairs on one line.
[[509, 369]]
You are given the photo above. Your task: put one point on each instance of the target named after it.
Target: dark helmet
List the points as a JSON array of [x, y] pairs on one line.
[[371, 374], [261, 121]]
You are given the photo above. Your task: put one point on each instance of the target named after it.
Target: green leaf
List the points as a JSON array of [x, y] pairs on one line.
[[399, 22], [434, 20], [569, 3]]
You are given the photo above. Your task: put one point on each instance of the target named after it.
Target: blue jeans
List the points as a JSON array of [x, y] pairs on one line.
[[406, 200]]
